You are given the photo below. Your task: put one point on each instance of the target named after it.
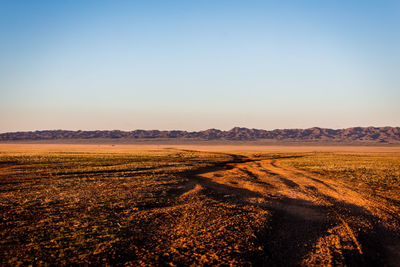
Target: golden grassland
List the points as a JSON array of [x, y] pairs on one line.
[[382, 170], [138, 205]]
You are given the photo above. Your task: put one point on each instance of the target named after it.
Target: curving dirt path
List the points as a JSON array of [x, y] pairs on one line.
[[315, 221]]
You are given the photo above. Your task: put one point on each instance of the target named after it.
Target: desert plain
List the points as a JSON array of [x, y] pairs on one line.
[[154, 204]]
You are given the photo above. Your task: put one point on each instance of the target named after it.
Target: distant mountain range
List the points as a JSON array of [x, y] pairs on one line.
[[365, 134]]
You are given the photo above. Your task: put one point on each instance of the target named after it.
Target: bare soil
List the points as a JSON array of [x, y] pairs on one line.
[[247, 208], [313, 221]]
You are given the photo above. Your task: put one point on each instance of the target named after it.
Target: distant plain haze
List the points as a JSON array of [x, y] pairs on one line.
[[194, 65]]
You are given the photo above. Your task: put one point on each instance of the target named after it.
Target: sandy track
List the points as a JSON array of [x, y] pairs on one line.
[[315, 220]]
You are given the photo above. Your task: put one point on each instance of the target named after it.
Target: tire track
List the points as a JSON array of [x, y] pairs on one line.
[[326, 217]]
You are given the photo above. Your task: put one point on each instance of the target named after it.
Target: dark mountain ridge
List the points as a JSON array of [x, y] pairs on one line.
[[376, 134]]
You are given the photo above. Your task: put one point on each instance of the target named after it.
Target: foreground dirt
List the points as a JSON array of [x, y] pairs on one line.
[[185, 207], [313, 221]]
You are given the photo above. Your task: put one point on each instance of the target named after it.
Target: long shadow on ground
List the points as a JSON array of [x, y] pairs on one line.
[[297, 225]]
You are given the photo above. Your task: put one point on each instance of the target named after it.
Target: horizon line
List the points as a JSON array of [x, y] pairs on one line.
[[249, 128]]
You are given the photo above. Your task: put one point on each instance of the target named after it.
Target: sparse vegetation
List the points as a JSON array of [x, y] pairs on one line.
[[382, 170], [189, 207], [64, 208]]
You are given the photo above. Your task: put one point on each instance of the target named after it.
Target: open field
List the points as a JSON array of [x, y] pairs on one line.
[[170, 204]]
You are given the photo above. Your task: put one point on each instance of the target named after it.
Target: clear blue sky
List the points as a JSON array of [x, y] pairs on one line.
[[195, 65]]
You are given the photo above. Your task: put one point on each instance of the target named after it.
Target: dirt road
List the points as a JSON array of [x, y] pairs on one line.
[[314, 221]]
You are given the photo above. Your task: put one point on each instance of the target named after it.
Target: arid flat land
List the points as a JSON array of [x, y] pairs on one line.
[[202, 205]]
